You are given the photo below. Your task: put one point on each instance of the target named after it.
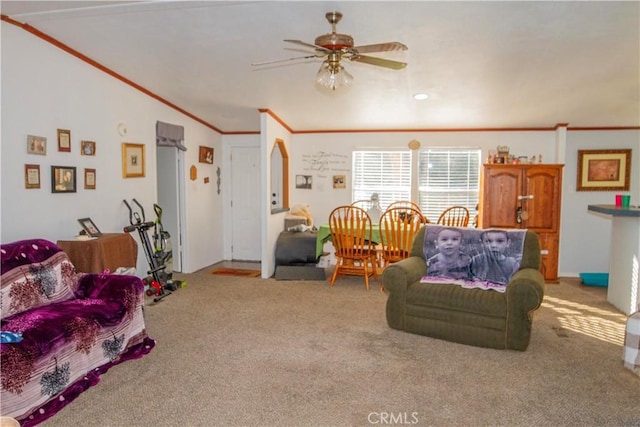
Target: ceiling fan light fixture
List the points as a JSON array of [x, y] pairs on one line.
[[333, 75]]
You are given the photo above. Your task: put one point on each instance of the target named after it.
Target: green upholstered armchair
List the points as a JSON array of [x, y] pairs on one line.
[[483, 318]]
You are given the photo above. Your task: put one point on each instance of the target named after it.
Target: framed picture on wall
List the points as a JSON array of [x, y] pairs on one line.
[[64, 140], [36, 145], [89, 179], [63, 179], [304, 181], [205, 155], [31, 176], [88, 148], [339, 181], [604, 170], [132, 160]]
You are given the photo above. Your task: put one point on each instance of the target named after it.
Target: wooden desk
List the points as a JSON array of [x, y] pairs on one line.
[[109, 251]]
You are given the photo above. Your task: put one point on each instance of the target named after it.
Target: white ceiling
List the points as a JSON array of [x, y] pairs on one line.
[[483, 64]]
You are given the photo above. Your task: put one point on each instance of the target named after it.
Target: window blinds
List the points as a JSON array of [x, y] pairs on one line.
[[387, 173], [448, 177]]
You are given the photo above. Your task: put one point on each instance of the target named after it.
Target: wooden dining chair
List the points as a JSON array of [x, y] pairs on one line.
[[363, 204], [404, 204], [355, 252], [409, 204], [398, 227], [455, 216]]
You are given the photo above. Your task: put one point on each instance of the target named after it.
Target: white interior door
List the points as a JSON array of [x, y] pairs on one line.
[[245, 204]]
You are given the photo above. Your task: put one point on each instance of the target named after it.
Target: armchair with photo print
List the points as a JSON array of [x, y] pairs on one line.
[[455, 286]]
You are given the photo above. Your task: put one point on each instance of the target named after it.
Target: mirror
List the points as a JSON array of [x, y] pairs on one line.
[[279, 177]]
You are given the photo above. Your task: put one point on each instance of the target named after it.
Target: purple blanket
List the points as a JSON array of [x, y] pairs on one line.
[[73, 328]]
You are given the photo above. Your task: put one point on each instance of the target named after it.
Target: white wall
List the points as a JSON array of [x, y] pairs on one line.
[[272, 224], [585, 237], [44, 89]]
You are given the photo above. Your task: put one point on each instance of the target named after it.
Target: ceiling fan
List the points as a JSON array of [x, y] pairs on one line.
[[334, 47]]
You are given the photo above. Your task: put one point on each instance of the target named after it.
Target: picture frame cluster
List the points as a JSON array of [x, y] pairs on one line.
[[63, 178]]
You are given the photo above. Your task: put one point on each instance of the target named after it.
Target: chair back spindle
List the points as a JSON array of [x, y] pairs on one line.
[[398, 228], [455, 216]]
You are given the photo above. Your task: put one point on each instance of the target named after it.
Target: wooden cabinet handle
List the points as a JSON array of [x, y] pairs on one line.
[[530, 196]]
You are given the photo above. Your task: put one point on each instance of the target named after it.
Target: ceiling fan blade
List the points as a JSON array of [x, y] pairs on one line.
[[317, 54], [309, 45], [257, 64], [394, 65], [380, 47]]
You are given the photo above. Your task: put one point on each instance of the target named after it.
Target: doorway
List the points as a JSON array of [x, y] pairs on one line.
[[170, 183], [246, 236]]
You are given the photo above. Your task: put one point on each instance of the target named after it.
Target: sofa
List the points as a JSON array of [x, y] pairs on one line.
[[472, 316], [60, 329]]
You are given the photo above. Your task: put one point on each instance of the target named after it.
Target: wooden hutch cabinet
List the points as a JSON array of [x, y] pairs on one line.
[[525, 196]]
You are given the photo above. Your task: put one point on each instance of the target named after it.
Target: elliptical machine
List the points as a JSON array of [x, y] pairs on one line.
[[163, 252], [160, 284]]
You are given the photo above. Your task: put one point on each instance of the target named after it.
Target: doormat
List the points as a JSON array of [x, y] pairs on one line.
[[235, 272]]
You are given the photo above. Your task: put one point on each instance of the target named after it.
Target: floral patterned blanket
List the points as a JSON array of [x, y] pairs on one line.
[[73, 328]]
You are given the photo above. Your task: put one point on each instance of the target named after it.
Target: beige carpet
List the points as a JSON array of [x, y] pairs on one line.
[[237, 351]]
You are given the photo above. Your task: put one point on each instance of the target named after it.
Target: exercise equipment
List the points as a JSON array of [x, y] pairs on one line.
[[162, 244], [160, 283]]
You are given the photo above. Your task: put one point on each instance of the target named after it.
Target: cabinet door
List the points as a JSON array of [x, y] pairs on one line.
[[549, 256], [541, 198], [501, 188]]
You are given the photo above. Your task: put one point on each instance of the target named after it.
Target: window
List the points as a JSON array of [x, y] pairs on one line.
[[448, 177], [387, 173]]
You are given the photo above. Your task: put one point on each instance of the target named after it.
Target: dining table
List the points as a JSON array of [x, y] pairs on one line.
[[324, 235]]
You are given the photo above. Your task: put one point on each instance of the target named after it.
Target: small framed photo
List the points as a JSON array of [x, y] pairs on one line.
[[31, 176], [604, 170], [132, 160], [304, 181], [88, 148], [36, 145], [89, 227], [64, 140], [206, 155], [89, 179], [63, 179], [339, 181]]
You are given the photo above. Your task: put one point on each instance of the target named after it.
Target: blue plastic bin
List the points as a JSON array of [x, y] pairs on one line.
[[595, 279]]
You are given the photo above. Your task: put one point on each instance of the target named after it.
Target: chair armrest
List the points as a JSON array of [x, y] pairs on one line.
[[108, 286], [526, 288], [396, 279], [399, 275], [524, 293]]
